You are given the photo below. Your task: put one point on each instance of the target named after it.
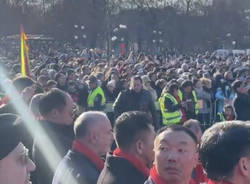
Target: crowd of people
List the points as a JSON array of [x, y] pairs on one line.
[[136, 119]]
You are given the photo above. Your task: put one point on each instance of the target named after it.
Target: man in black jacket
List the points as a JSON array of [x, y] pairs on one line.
[[83, 164], [224, 152], [56, 110], [130, 162], [136, 99], [241, 101]]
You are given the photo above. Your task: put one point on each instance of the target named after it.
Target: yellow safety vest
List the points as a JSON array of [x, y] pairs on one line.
[[196, 106], [93, 94], [169, 118], [221, 116]]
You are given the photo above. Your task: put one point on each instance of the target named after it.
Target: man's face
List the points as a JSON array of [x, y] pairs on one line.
[[72, 77], [228, 111], [66, 114], [28, 92], [62, 80], [148, 147], [175, 156], [137, 86], [105, 137], [188, 89], [242, 89], [114, 77], [15, 168], [153, 78], [92, 85], [198, 85]]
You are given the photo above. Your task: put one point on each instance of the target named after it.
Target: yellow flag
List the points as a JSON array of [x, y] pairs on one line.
[[24, 53]]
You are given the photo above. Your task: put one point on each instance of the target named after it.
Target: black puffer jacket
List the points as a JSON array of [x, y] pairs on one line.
[[129, 100], [61, 136], [242, 107], [76, 168], [118, 170]]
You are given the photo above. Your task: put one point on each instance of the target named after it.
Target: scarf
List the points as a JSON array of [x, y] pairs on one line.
[[139, 165], [157, 179], [219, 182], [93, 157]]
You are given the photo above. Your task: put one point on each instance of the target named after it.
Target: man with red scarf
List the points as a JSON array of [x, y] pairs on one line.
[[83, 163], [134, 135], [198, 174], [225, 153], [176, 156]]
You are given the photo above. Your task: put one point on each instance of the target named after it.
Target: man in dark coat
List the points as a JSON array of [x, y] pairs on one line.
[[131, 160], [224, 152], [83, 163], [56, 110], [241, 101], [136, 99]]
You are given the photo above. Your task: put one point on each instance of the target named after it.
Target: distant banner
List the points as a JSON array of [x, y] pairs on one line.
[[123, 48]]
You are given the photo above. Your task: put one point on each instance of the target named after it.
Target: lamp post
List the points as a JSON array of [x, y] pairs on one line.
[[118, 37], [79, 33], [158, 40]]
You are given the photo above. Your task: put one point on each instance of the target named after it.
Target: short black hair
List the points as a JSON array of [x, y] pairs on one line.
[[186, 83], [53, 99], [128, 127], [222, 146], [93, 79], [21, 83], [136, 77], [171, 87], [178, 128], [51, 82], [193, 123]]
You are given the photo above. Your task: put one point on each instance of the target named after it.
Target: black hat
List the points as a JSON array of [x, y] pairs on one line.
[[10, 134]]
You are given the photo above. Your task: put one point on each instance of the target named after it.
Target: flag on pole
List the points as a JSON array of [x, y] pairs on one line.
[[24, 53]]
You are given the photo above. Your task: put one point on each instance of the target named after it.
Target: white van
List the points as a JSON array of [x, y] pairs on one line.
[[221, 53], [238, 52], [248, 52]]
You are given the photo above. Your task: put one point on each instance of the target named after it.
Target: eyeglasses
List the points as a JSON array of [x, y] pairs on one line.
[[24, 158]]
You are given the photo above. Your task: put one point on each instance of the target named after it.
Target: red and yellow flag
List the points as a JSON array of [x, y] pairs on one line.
[[24, 53]]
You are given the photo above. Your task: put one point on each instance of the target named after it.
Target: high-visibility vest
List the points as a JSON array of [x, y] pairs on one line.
[[196, 106], [221, 116], [169, 118], [93, 94]]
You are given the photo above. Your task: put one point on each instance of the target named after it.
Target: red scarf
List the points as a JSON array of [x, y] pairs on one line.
[[133, 160], [157, 179], [93, 157], [219, 182], [200, 176], [183, 117], [229, 118]]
